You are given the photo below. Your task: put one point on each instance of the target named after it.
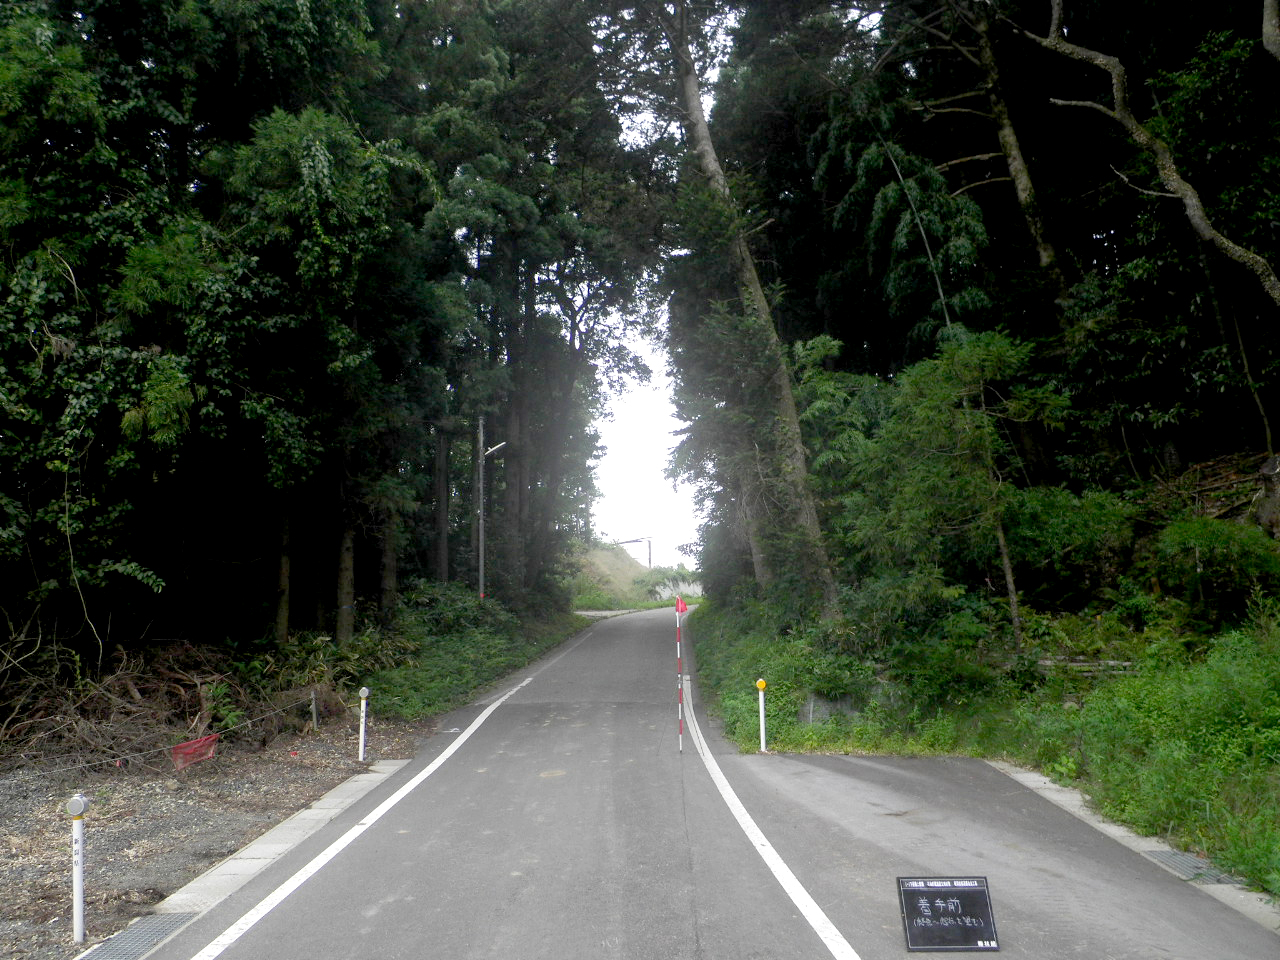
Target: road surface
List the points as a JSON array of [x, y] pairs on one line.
[[556, 819]]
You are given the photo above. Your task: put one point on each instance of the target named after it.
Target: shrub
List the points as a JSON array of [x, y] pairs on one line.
[[461, 643], [1074, 543], [1216, 564], [596, 598]]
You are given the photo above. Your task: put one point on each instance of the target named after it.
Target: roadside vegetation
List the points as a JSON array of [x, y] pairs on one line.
[[1172, 734], [1029, 389], [460, 644], [444, 645]]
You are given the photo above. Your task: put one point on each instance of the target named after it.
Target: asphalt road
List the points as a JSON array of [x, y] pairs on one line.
[[556, 819]]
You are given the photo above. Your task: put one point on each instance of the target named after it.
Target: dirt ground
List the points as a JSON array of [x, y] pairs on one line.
[[149, 830]]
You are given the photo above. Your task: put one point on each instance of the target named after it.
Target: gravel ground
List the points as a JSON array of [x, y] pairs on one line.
[[148, 832]]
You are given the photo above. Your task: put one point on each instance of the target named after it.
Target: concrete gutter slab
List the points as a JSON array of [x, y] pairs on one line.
[[144, 934], [1256, 906]]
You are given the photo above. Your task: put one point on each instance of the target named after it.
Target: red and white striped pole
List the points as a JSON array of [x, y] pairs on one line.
[[681, 607]]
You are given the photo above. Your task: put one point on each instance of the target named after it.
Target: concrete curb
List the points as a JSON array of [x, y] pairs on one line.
[[1258, 907]]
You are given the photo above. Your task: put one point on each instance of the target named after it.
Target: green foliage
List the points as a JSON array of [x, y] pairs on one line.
[[1217, 564], [592, 597], [242, 293], [459, 643], [924, 240], [43, 81], [959, 468], [820, 695], [262, 260], [311, 659], [606, 579], [164, 411], [226, 710], [1193, 749], [444, 644], [318, 188], [1187, 747], [1075, 543], [1218, 136], [917, 481]]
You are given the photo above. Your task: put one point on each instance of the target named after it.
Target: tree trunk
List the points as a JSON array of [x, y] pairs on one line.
[[478, 505], [389, 594], [536, 467], [440, 483], [1013, 155], [1215, 304], [511, 535], [793, 470], [1015, 615], [283, 583], [749, 506], [1266, 511], [1166, 166], [545, 503], [1271, 26], [345, 626]]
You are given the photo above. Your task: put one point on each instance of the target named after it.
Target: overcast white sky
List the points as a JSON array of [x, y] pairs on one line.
[[637, 500]]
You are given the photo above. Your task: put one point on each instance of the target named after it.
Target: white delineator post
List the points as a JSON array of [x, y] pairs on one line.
[[760, 685], [364, 714], [76, 806], [681, 607]]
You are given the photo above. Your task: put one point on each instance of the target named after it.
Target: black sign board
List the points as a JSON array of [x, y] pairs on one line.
[[947, 913]]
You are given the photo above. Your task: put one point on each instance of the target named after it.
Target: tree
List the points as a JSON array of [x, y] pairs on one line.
[[236, 300], [778, 471], [549, 220], [1166, 165], [925, 484]]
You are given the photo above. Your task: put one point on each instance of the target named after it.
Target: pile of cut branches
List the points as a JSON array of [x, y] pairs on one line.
[[129, 715], [1225, 488]]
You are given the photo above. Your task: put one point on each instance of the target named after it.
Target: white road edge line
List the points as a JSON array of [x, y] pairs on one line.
[[822, 926], [278, 895]]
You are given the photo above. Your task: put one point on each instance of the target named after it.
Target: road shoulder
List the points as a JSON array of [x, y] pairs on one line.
[[1258, 907]]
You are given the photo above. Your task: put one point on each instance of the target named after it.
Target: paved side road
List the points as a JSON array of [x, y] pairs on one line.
[[556, 819]]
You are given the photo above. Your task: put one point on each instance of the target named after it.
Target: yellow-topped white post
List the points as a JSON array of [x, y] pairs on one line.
[[760, 685], [76, 807]]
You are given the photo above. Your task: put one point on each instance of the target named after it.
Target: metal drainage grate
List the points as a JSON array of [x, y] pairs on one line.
[[137, 939], [1190, 867]]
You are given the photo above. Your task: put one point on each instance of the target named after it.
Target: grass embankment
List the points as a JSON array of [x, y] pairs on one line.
[[457, 644], [1186, 745], [607, 580]]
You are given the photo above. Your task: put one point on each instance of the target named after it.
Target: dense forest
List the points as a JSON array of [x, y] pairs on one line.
[[275, 277], [1021, 258], [967, 306]]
